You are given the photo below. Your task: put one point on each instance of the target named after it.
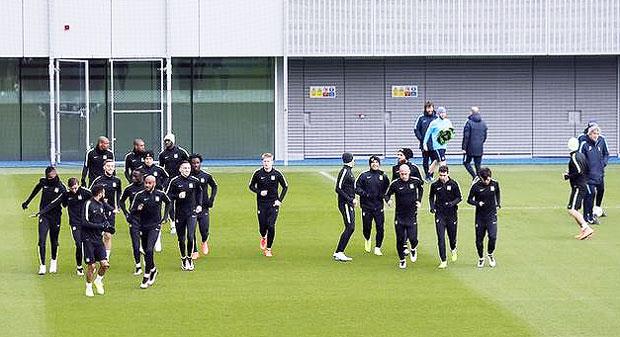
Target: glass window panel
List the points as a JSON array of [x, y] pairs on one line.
[[10, 137]]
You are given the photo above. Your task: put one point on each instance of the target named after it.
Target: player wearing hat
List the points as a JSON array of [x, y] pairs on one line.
[[345, 188], [577, 174], [371, 187], [404, 155], [49, 221], [439, 132]]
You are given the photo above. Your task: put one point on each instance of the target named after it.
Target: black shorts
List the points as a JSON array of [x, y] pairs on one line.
[[94, 251], [575, 200], [438, 155]]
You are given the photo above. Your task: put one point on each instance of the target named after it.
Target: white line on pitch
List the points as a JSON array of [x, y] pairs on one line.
[[327, 175]]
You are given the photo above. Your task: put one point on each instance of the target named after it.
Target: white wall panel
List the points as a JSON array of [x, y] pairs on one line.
[[184, 27], [89, 33], [138, 28], [241, 28], [11, 26], [36, 33]]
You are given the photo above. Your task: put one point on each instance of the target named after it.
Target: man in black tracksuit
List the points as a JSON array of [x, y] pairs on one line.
[[170, 159], [345, 189], [137, 185], [134, 160], [146, 207], [264, 183], [485, 195], [186, 193], [206, 182], [74, 200], [113, 191], [150, 169], [577, 174], [421, 125], [51, 188], [408, 191], [404, 155], [474, 136], [95, 158], [94, 222], [371, 187], [443, 198]]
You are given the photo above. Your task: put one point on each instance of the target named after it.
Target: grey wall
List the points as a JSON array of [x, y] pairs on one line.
[[526, 102]]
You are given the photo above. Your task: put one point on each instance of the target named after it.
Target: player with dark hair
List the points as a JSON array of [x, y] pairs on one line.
[[206, 182], [95, 158], [151, 169], [404, 156], [74, 200], [371, 187], [129, 193], [146, 207], [345, 189], [444, 197], [51, 188], [95, 221], [170, 159], [113, 191], [134, 159], [408, 194], [186, 193], [485, 195], [265, 183], [421, 125]]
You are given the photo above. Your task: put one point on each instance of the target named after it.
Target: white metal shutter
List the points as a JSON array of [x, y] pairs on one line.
[[296, 108]]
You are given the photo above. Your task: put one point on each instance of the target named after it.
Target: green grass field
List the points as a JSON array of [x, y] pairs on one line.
[[546, 283]]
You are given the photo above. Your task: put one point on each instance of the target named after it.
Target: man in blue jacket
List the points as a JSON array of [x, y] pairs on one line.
[[594, 147], [474, 136], [421, 125], [439, 132]]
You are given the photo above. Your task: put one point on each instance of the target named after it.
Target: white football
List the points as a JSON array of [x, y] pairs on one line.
[[597, 211]]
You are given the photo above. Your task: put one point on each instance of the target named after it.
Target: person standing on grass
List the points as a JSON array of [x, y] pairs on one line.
[[371, 187], [474, 136], [206, 182], [421, 125], [485, 195], [94, 223], [146, 207], [436, 139], [49, 221], [444, 197], [129, 193], [408, 194], [113, 191], [134, 160], [74, 200], [345, 189], [95, 158], [170, 159], [265, 182], [594, 147], [186, 193], [577, 175]]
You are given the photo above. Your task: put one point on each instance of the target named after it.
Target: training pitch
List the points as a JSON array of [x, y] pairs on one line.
[[546, 283]]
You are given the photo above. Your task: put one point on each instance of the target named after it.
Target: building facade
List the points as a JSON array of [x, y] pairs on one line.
[[302, 78]]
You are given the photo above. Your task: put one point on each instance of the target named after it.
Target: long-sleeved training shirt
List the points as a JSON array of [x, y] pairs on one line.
[[371, 187], [263, 182], [444, 197], [345, 185], [489, 195], [406, 194], [190, 186]]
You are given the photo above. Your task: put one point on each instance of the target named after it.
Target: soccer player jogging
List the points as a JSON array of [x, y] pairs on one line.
[[51, 188], [74, 200], [577, 175], [421, 125], [185, 191], [95, 158], [206, 182], [345, 189], [134, 160], [146, 207], [150, 169], [439, 132], [444, 197], [594, 147], [474, 136], [265, 183], [170, 159], [408, 194], [95, 221], [113, 191], [371, 187], [485, 195], [137, 185]]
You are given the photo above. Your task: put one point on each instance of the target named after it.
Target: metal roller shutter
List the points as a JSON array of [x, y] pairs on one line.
[[296, 109]]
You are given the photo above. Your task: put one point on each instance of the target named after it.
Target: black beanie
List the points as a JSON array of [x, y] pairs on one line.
[[347, 157], [407, 152], [374, 158], [49, 169]]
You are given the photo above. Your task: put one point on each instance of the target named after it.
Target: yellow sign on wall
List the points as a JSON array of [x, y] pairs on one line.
[[328, 91], [405, 91]]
